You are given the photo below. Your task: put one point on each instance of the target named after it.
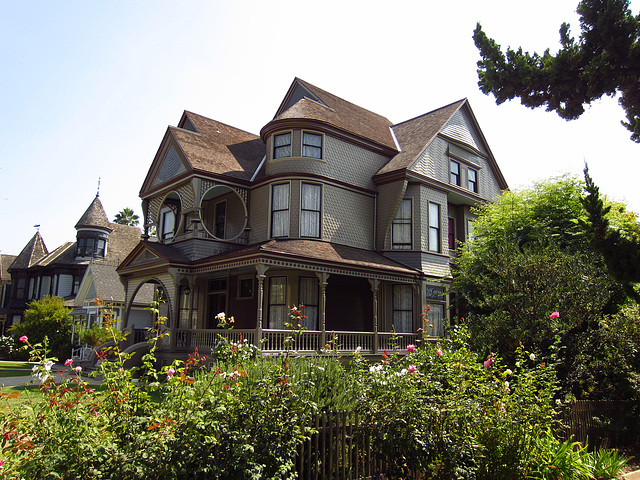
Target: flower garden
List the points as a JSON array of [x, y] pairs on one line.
[[438, 412]]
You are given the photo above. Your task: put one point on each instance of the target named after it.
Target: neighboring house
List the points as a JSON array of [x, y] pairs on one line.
[[331, 206], [36, 272], [100, 294], [5, 289]]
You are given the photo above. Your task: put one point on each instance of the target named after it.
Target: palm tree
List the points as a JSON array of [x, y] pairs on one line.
[[126, 217]]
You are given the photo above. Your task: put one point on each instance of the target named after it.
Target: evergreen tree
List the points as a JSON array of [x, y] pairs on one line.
[[605, 60]]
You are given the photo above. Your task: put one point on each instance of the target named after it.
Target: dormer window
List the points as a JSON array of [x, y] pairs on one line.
[[311, 145], [282, 145]]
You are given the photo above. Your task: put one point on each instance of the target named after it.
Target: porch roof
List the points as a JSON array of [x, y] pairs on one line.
[[311, 255]]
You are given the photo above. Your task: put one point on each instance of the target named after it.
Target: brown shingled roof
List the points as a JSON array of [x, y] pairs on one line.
[[335, 111], [5, 263], [219, 148], [414, 135], [94, 216]]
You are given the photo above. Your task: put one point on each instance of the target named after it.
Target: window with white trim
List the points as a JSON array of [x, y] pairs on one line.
[[403, 308], [310, 209], [280, 210], [311, 145], [401, 230], [282, 145], [434, 227], [472, 180], [455, 172]]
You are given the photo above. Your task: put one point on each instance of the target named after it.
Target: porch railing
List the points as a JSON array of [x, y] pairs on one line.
[[271, 340]]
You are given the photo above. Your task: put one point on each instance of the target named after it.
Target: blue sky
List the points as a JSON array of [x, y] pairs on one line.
[[88, 89]]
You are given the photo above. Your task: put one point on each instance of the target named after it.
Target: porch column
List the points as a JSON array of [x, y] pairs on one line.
[[323, 280], [261, 276], [375, 286]]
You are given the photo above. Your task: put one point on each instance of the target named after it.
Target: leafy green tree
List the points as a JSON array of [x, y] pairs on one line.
[[604, 60], [532, 256], [126, 217], [47, 317]]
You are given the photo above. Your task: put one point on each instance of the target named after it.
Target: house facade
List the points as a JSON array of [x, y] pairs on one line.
[[332, 207]]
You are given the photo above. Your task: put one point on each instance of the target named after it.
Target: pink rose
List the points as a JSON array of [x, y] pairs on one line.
[[412, 369], [411, 348], [171, 372], [68, 362], [488, 362], [439, 352], [24, 338], [554, 315]]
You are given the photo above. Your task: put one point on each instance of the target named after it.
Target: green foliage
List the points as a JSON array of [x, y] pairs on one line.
[[530, 257], [442, 412], [618, 241], [126, 217], [95, 335], [47, 318], [603, 61], [559, 460], [606, 464]]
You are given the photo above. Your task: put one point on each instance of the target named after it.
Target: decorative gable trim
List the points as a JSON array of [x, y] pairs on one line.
[[171, 167], [169, 164]]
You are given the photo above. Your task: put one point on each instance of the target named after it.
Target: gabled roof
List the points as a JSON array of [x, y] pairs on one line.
[[414, 135], [213, 148], [33, 252], [94, 216], [308, 102]]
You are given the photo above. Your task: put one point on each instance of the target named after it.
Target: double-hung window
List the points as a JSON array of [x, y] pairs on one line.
[[277, 302], [401, 227], [280, 210], [455, 172], [282, 145], [434, 227], [473, 180], [403, 308], [310, 210], [309, 297], [311, 145]]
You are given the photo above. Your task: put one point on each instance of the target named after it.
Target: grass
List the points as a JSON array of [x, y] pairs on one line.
[[15, 365]]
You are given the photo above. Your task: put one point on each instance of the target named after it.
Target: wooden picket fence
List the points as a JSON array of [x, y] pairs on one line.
[[604, 423], [342, 449], [339, 449]]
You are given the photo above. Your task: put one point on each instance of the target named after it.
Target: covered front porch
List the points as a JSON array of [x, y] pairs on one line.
[[349, 299]]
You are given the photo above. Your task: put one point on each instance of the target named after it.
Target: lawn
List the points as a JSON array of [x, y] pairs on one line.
[[15, 369]]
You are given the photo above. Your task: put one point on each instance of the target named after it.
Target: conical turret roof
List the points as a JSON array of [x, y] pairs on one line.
[[94, 217]]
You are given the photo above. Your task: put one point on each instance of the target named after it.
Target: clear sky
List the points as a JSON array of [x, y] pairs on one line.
[[87, 89]]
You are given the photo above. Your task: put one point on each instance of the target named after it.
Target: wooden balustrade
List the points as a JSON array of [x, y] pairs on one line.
[[301, 341]]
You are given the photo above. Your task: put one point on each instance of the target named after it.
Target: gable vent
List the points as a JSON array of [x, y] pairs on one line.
[[171, 167]]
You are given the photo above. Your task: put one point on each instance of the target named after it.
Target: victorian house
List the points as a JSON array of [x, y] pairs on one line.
[[332, 207]]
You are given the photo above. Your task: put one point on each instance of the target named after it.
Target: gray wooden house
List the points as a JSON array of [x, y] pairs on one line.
[[332, 206]]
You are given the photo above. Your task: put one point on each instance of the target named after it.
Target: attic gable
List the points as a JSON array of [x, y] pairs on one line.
[[304, 101], [205, 146]]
